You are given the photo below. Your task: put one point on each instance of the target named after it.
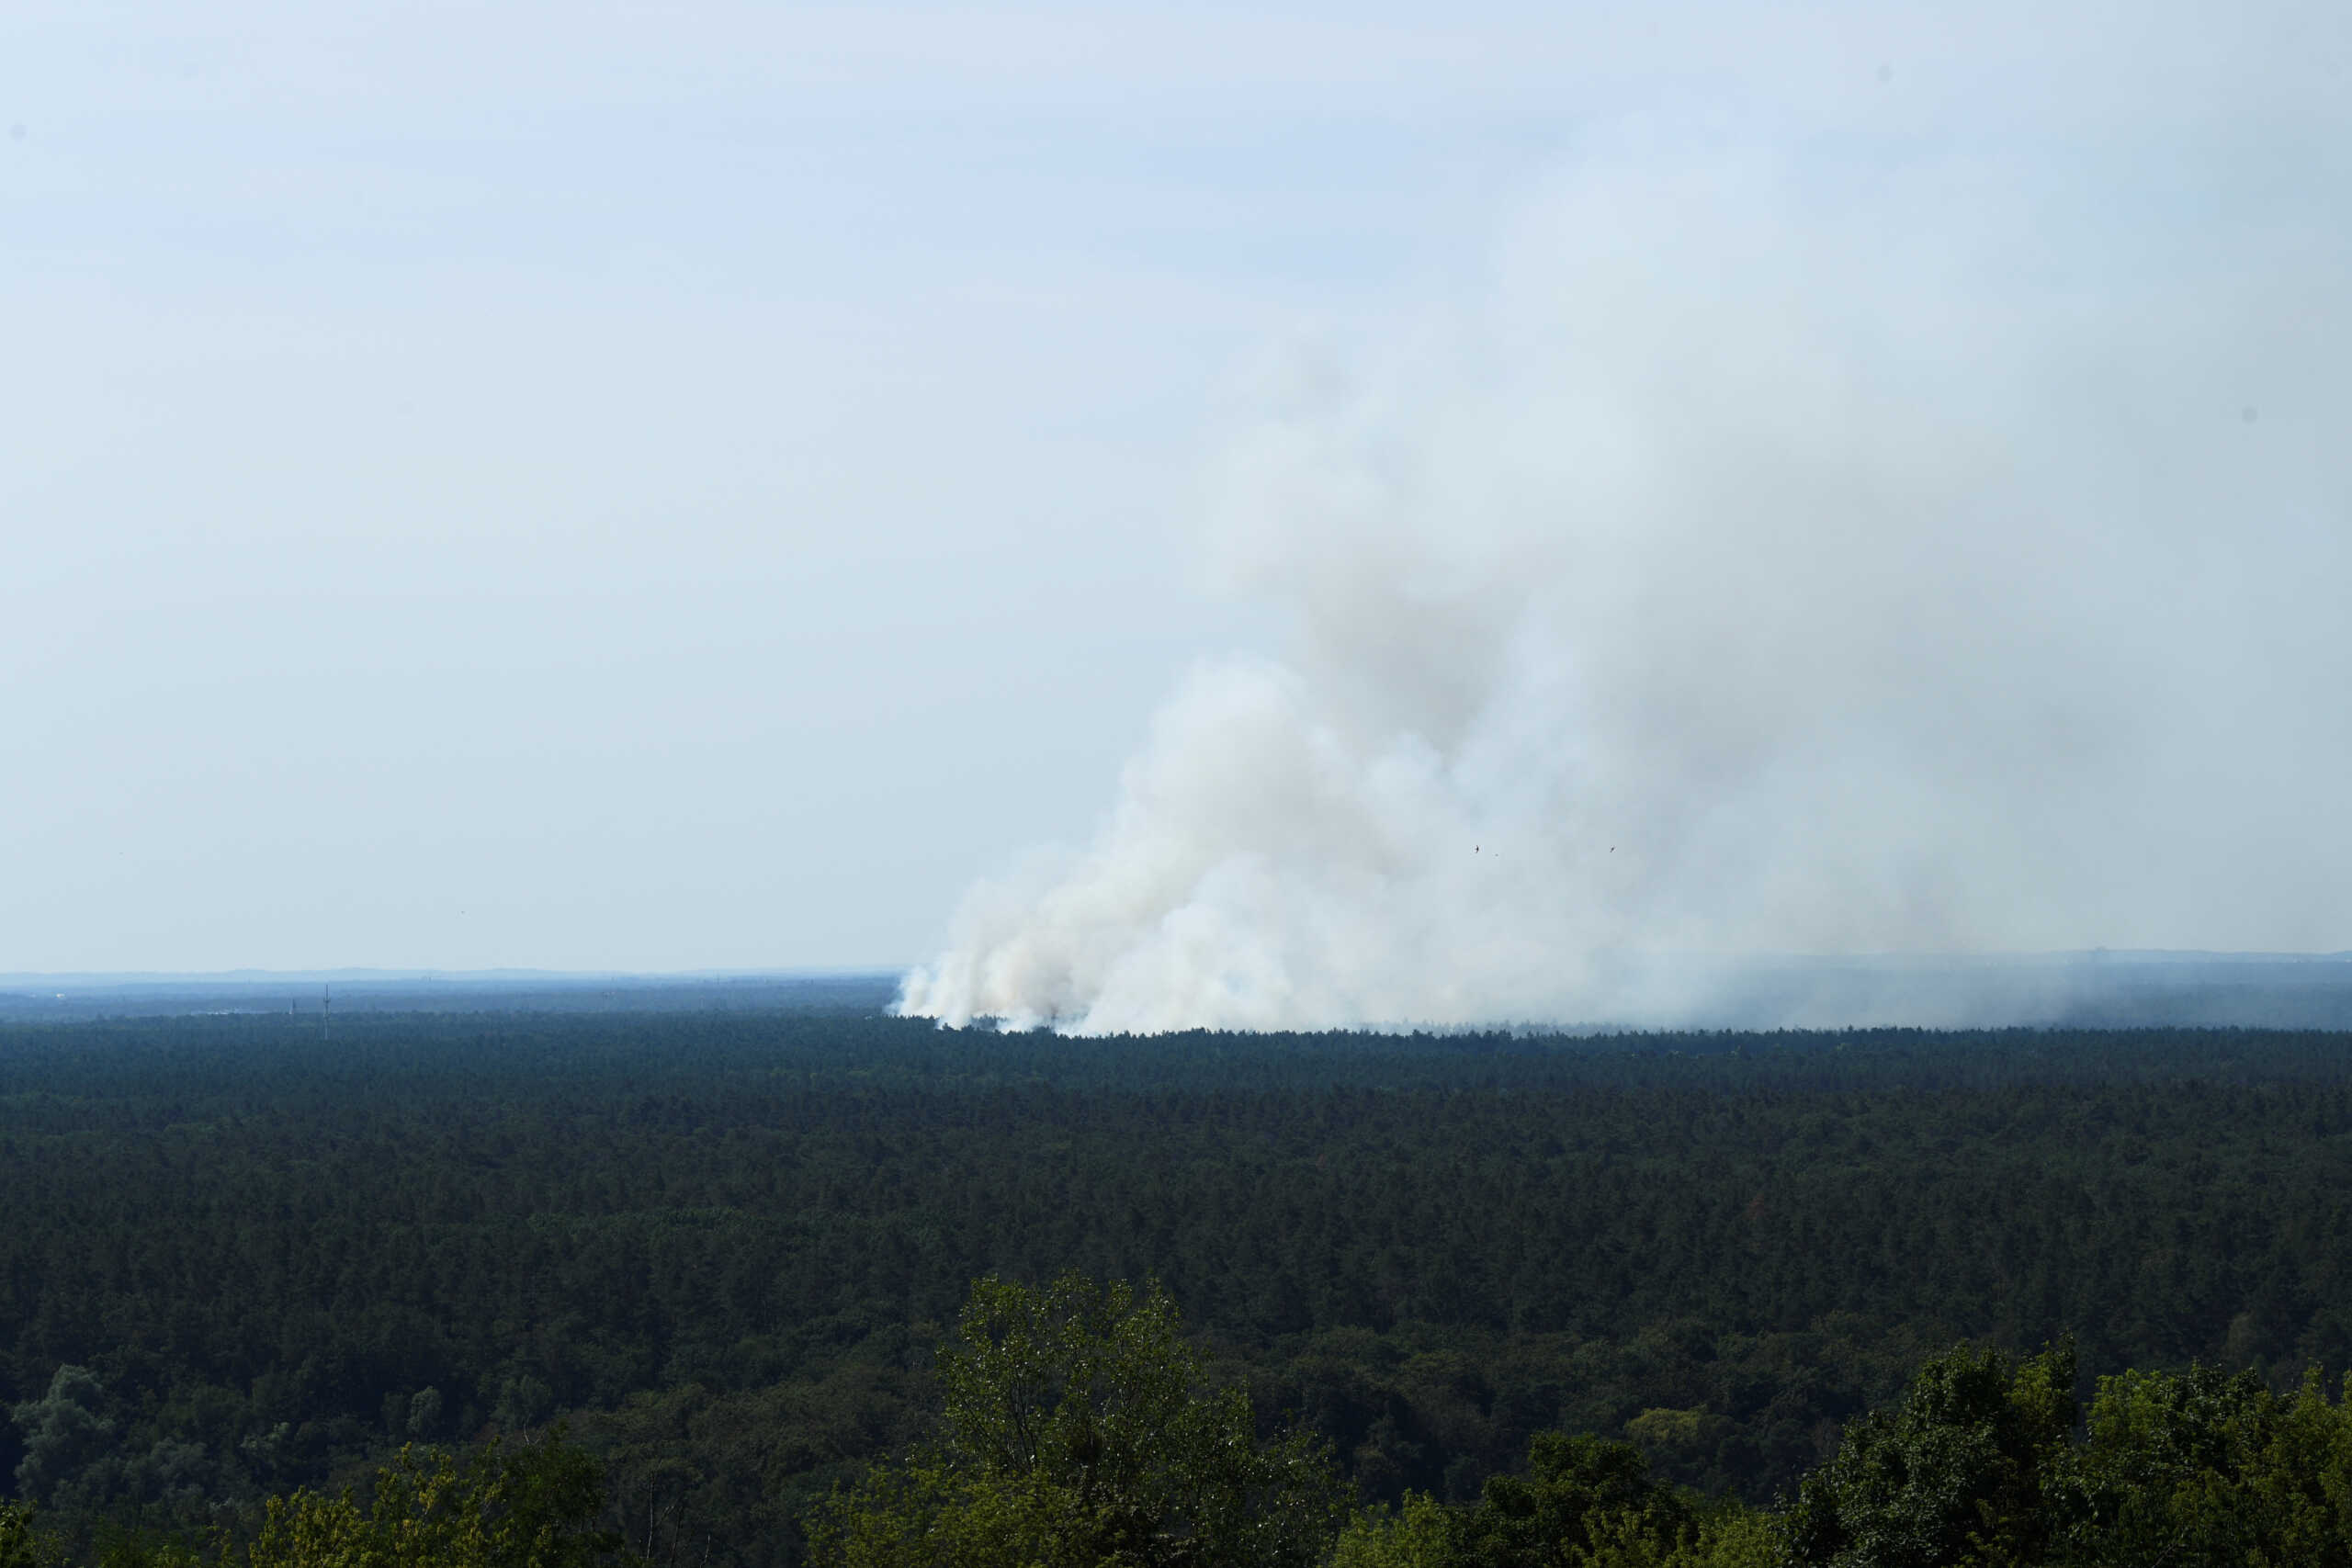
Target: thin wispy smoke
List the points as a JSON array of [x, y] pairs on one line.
[[1938, 567]]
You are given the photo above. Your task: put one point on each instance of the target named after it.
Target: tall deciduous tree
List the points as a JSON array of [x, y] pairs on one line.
[[1077, 1432], [1958, 1473]]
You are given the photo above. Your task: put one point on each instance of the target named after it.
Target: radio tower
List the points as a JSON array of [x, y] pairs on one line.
[[326, 1009]]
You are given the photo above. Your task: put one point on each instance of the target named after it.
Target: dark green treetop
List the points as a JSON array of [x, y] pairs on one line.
[[1955, 1474], [1077, 1432]]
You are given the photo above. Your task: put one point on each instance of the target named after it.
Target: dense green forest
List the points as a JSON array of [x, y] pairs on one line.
[[722, 1250]]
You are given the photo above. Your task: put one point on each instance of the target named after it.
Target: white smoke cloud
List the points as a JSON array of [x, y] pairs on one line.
[[1911, 562]]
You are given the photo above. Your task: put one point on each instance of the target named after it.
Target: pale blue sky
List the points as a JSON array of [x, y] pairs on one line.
[[597, 486]]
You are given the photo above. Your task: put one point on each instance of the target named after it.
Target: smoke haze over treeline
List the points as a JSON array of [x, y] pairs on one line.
[[1795, 549]]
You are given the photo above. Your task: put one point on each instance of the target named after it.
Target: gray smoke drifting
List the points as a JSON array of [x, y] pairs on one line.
[[1907, 564]]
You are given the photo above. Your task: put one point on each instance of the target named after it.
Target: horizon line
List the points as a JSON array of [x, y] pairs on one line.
[[366, 975], [356, 975]]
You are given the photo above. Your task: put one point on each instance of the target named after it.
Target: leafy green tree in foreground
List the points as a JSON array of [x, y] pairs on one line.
[[20, 1548], [1583, 1503], [1075, 1432], [1955, 1474], [2200, 1467], [531, 1506], [1978, 1465]]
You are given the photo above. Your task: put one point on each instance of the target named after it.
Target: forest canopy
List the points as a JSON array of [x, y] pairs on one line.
[[725, 1249]]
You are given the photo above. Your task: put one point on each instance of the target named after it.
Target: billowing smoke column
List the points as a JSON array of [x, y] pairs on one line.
[[1753, 574]]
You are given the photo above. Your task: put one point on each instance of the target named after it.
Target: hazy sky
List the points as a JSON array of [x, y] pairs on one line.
[[651, 487]]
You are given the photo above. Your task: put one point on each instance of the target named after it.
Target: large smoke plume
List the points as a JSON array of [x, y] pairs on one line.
[[1935, 568]]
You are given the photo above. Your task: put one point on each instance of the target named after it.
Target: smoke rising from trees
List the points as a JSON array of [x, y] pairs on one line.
[[1911, 562]]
